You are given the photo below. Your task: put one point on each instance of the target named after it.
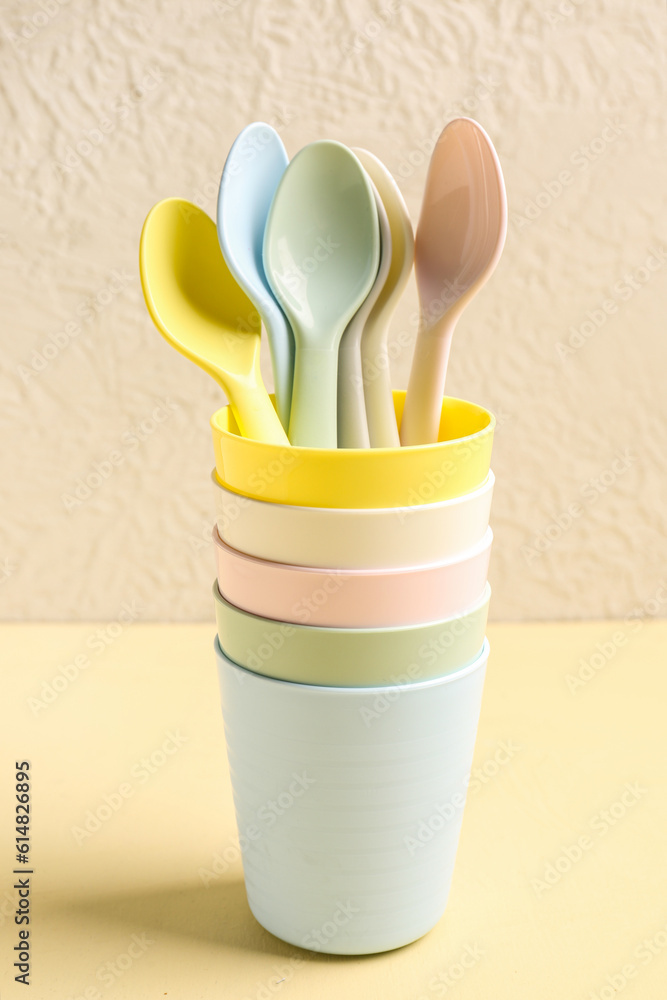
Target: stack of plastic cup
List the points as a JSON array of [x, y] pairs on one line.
[[351, 605]]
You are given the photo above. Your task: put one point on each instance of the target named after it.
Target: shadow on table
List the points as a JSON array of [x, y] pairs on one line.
[[218, 914]]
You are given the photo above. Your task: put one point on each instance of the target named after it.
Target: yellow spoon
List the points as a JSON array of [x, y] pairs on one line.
[[200, 310]]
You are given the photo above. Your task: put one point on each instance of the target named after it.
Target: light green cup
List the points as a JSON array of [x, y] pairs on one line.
[[350, 657]]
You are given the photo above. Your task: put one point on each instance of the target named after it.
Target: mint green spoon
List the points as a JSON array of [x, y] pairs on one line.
[[321, 256]]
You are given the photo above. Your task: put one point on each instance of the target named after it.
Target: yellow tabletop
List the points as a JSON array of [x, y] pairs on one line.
[[136, 884]]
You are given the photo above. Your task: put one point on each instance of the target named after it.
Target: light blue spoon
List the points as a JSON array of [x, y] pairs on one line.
[[321, 256], [252, 172]]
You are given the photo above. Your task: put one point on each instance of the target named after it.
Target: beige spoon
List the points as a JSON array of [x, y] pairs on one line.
[[460, 237]]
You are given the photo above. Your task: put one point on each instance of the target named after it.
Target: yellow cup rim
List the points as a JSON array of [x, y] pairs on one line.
[[360, 477], [225, 414]]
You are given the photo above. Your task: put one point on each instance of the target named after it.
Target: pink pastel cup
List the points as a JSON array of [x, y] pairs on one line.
[[368, 598]]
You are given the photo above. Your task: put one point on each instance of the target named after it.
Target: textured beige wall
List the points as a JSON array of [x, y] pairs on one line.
[[109, 106]]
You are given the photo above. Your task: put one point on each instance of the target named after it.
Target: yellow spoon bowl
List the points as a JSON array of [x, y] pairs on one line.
[[360, 477], [201, 311]]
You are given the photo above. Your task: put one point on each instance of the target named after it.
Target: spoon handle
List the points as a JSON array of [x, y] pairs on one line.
[[352, 422], [313, 421], [281, 346], [254, 413], [382, 427], [423, 401]]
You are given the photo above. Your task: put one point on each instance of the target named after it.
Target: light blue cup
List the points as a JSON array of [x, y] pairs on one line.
[[349, 802]]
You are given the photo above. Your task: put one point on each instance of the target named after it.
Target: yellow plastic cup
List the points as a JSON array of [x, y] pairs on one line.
[[360, 477]]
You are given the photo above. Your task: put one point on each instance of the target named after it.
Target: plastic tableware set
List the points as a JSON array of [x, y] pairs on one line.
[[351, 594]]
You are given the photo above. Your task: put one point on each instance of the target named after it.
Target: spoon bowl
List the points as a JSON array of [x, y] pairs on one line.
[[321, 255], [460, 237], [200, 310]]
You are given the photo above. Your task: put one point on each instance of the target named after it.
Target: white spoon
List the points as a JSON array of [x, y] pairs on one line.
[[353, 431], [382, 427]]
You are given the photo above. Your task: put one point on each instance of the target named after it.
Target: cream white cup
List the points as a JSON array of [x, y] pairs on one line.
[[353, 538], [349, 802]]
